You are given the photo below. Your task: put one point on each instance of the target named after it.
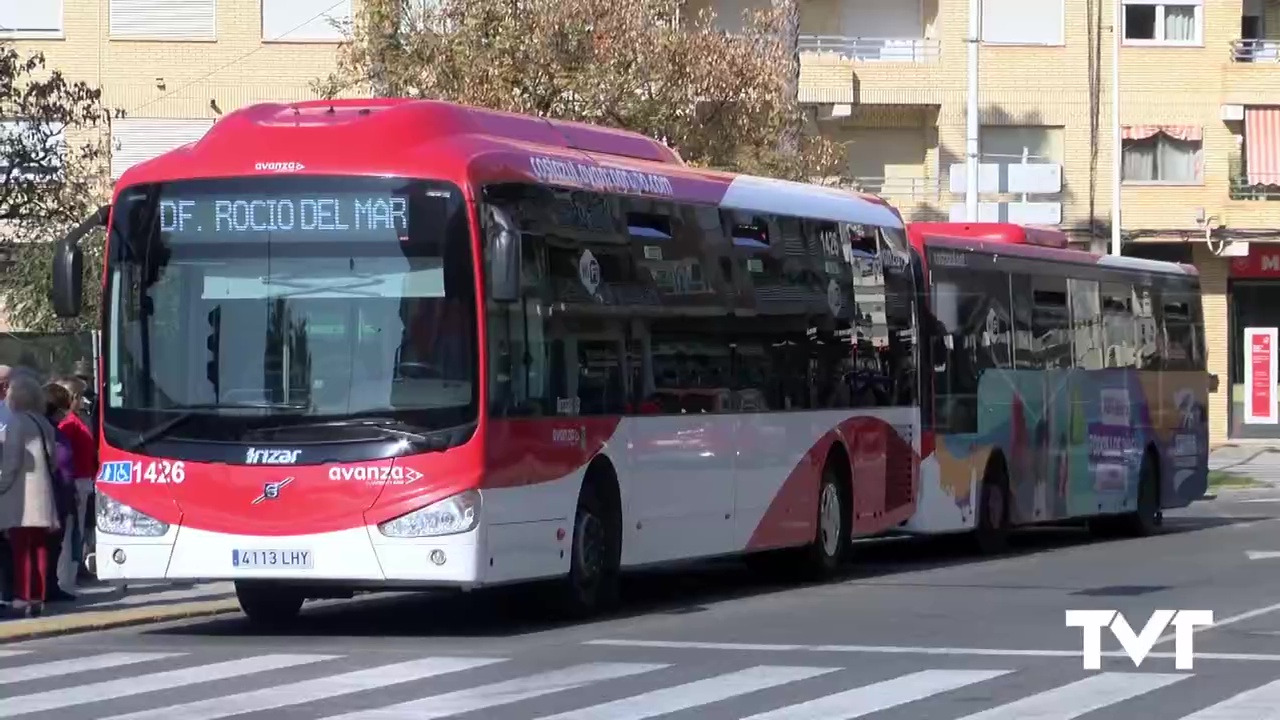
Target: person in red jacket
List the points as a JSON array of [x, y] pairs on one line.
[[84, 463]]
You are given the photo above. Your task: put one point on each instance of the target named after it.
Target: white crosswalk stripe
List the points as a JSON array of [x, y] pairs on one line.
[[694, 694], [71, 666], [1080, 698], [312, 690], [1260, 703], [875, 697], [162, 685], [112, 689], [501, 693]]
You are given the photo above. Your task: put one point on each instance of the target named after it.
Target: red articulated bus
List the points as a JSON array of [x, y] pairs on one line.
[[375, 344]]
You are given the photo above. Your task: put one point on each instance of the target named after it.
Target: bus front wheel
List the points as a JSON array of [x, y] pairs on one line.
[[991, 535], [268, 604], [593, 583]]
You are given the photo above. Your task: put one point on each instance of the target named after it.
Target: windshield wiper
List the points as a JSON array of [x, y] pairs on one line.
[[189, 411], [390, 426]]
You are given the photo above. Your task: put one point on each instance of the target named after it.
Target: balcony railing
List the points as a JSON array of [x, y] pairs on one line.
[[1243, 189], [1255, 51], [897, 188], [869, 49]]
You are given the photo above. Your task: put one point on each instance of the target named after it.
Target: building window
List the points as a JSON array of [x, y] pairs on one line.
[[1156, 23], [163, 20], [1022, 22], [135, 140], [304, 20], [1160, 154], [23, 20]]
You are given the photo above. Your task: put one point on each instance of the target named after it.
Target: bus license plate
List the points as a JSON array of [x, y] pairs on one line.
[[285, 559]]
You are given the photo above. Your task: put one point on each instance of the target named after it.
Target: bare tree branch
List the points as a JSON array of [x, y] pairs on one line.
[[54, 154]]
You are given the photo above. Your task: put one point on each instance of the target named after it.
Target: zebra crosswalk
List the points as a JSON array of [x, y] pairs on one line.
[[209, 685]]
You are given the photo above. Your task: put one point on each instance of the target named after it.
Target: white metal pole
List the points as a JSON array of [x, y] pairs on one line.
[[1117, 27], [971, 115]]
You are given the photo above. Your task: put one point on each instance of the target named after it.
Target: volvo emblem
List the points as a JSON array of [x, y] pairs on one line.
[[271, 490]]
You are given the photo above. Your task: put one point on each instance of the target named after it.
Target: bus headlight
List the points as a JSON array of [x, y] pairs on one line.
[[116, 518], [450, 516]]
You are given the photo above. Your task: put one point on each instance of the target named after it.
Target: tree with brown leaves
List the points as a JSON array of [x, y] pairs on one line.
[[723, 101], [53, 173]]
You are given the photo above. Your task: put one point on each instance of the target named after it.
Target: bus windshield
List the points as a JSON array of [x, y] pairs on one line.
[[247, 303]]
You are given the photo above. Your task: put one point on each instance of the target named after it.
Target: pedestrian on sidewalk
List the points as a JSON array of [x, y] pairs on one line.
[[28, 510], [62, 545], [84, 460], [6, 552]]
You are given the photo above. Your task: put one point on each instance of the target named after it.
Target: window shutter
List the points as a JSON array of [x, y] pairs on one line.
[[166, 19], [135, 140], [1022, 22]]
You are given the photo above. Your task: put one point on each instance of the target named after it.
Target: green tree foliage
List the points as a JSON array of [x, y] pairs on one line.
[[53, 171], [723, 101]]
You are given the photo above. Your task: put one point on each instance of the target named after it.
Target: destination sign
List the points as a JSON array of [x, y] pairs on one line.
[[337, 214]]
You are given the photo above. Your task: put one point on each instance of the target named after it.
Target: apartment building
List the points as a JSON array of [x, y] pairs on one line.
[[174, 66], [1199, 99]]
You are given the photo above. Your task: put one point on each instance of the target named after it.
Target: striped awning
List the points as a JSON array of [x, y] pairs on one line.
[[1189, 133], [1262, 145]]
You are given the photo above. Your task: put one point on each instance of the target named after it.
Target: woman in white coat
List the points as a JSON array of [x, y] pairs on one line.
[[28, 509]]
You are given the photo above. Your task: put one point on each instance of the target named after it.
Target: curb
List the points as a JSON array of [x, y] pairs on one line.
[[54, 625]]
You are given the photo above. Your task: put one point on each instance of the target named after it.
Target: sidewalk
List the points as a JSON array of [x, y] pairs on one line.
[[101, 606], [1260, 462]]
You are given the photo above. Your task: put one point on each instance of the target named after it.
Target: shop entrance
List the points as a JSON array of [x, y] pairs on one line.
[[1253, 300]]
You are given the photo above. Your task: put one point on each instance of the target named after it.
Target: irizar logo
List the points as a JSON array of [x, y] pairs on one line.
[[271, 456], [279, 166]]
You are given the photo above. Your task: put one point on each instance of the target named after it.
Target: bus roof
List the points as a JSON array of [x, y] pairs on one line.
[[473, 147], [1027, 241], [1010, 233]]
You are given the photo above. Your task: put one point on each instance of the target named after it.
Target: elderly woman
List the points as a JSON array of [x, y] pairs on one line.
[[28, 510]]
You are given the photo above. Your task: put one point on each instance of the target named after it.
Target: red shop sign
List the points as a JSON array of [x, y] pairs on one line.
[[1263, 261]]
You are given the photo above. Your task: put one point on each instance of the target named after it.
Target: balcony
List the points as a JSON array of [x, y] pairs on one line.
[[1255, 51], [866, 49], [860, 70], [1252, 75]]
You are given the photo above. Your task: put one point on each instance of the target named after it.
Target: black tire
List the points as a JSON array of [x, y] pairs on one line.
[[991, 536], [267, 604], [1147, 518], [833, 536], [594, 581]]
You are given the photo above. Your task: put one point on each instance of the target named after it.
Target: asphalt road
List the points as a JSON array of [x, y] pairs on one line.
[[915, 631]]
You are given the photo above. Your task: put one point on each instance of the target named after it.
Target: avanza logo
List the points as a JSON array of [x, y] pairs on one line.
[[396, 475], [279, 166]]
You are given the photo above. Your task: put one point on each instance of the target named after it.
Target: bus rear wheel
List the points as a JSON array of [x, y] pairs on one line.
[[1145, 520], [268, 604]]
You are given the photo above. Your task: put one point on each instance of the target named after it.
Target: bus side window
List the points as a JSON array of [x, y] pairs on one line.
[[1118, 326], [1146, 329], [1051, 323], [1183, 347]]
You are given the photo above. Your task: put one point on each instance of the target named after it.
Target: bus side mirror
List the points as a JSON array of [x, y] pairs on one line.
[[68, 280], [503, 238], [68, 266]]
